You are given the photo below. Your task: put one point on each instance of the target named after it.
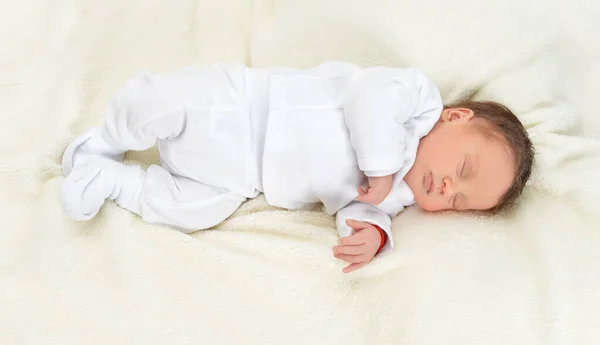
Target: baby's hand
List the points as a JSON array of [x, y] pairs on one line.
[[359, 248], [378, 190]]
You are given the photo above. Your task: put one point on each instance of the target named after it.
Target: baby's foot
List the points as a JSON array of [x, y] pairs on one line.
[[93, 180], [90, 143]]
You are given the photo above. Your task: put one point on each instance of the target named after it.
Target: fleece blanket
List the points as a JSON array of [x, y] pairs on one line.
[[266, 275]]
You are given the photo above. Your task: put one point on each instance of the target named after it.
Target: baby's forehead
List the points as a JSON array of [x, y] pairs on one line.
[[494, 151], [489, 138], [496, 166]]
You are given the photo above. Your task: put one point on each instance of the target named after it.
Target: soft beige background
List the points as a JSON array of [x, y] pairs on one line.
[[267, 276]]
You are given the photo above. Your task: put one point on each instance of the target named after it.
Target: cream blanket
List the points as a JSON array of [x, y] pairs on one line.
[[267, 276]]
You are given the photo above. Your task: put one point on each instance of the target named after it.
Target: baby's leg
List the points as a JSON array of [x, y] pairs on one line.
[[157, 196], [149, 107]]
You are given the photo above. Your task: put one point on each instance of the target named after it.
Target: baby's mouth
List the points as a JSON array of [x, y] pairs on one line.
[[428, 183]]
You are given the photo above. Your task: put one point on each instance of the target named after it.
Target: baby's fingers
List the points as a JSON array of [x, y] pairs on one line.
[[349, 250], [370, 198], [354, 240], [364, 195], [353, 267], [351, 258]]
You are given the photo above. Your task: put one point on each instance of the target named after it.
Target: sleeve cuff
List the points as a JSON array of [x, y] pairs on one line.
[[381, 164], [368, 214], [382, 234]]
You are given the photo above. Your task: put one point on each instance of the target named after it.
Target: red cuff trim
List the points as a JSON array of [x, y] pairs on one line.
[[382, 233]]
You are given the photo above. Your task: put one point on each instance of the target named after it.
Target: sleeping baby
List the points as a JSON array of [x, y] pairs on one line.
[[364, 142]]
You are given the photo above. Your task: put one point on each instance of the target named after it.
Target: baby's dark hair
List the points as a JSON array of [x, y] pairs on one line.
[[502, 122]]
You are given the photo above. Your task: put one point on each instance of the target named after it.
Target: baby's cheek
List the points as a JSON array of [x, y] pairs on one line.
[[428, 203]]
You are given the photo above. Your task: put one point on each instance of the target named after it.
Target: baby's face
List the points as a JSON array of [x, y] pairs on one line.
[[459, 167]]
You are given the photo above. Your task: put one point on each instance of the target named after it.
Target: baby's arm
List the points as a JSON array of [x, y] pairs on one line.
[[365, 231], [381, 104]]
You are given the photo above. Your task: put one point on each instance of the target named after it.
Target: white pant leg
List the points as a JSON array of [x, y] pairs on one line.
[[156, 195], [148, 108], [184, 203], [199, 116], [155, 107]]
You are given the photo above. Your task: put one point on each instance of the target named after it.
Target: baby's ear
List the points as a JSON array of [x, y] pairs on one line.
[[457, 114]]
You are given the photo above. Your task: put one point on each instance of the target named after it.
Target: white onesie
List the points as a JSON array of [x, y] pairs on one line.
[[227, 133]]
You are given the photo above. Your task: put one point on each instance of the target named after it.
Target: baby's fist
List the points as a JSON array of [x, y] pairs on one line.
[[379, 188]]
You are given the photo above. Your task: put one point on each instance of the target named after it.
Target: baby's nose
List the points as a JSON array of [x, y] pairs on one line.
[[446, 186]]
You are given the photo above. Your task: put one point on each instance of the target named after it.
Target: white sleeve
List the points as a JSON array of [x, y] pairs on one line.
[[368, 214], [381, 104]]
